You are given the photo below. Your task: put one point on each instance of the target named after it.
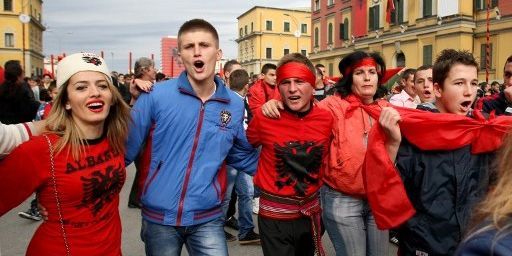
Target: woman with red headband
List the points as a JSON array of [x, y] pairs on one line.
[[346, 213]]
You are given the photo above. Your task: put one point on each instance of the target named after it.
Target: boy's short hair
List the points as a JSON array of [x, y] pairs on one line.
[[408, 72], [297, 57], [229, 64], [238, 79], [445, 61], [268, 67], [421, 68], [198, 24]]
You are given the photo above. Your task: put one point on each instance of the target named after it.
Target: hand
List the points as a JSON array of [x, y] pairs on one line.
[[271, 109], [389, 120], [145, 86], [42, 210]]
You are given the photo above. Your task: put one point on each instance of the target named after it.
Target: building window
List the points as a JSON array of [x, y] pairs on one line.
[[268, 53], [9, 40], [482, 4], [427, 55], [331, 69], [304, 28], [245, 30], [397, 15], [483, 56], [400, 60], [330, 2], [268, 25], [252, 27], [304, 52], [329, 33], [344, 30], [317, 5], [374, 18], [316, 37], [427, 8], [286, 51], [8, 5], [241, 32], [286, 26]]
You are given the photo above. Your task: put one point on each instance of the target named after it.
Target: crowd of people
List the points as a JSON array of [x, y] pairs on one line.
[[429, 160]]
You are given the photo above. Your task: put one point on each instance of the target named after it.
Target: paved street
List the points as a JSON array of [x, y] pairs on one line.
[[15, 232]]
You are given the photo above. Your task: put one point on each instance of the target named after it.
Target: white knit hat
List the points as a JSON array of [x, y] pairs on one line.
[[77, 62]]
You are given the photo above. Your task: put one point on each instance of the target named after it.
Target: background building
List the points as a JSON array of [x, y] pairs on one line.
[[416, 31], [171, 66], [267, 33], [21, 32]]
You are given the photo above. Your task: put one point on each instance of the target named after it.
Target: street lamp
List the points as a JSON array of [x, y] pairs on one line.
[[297, 32]]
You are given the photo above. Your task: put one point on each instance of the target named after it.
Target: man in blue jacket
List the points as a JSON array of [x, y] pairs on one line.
[[198, 130]]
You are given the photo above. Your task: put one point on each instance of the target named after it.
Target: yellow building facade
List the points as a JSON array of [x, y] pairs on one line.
[[22, 41], [419, 31], [265, 34]]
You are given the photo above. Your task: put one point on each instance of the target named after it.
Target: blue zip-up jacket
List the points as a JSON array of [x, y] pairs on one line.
[[192, 142]]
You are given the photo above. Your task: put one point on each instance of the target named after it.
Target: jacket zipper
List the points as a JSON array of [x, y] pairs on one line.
[[189, 166], [152, 177]]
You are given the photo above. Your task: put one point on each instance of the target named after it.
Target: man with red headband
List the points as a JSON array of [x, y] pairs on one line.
[[289, 174]]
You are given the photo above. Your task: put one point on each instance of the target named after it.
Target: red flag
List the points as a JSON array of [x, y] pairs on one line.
[[390, 7]]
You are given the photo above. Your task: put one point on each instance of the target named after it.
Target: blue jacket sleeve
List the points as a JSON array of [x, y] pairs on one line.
[[242, 155], [141, 115]]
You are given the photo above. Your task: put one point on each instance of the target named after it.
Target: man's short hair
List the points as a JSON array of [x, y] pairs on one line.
[[509, 59], [445, 61], [229, 65], [319, 65], [421, 68], [297, 57], [267, 67], [408, 72], [198, 24], [238, 79]]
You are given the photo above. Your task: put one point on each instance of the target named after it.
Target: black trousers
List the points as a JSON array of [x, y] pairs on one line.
[[286, 238]]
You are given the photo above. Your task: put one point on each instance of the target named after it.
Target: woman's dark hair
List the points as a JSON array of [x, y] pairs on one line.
[[344, 85]]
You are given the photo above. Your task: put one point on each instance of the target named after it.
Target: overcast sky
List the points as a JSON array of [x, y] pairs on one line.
[[117, 27]]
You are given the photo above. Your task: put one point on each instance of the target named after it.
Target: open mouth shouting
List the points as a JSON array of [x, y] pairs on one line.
[[199, 65], [465, 105], [96, 106]]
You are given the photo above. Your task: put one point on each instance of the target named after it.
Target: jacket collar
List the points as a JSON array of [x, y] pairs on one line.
[[221, 92]]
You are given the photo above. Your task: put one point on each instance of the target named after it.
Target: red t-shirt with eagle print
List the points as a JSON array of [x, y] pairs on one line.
[[294, 149], [88, 191]]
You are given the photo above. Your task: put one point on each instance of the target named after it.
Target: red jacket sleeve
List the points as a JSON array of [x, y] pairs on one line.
[[21, 175], [253, 129], [256, 97]]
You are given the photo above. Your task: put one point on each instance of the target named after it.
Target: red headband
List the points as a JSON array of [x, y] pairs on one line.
[[295, 70], [368, 61]]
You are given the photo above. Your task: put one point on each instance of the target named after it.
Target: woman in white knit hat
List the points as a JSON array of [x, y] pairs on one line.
[[76, 168]]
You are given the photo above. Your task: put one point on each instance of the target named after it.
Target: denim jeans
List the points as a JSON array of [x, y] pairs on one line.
[[202, 239], [351, 225], [244, 188]]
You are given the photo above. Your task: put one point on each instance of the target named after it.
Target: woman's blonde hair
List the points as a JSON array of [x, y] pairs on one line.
[[61, 122], [497, 208]]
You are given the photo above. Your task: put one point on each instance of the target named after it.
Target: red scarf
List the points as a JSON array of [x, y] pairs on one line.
[[428, 131]]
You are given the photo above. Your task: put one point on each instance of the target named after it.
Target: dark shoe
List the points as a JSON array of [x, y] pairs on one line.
[[229, 237], [31, 214], [393, 237], [232, 222], [251, 238]]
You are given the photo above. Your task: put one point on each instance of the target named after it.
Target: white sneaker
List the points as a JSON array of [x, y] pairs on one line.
[[256, 205]]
